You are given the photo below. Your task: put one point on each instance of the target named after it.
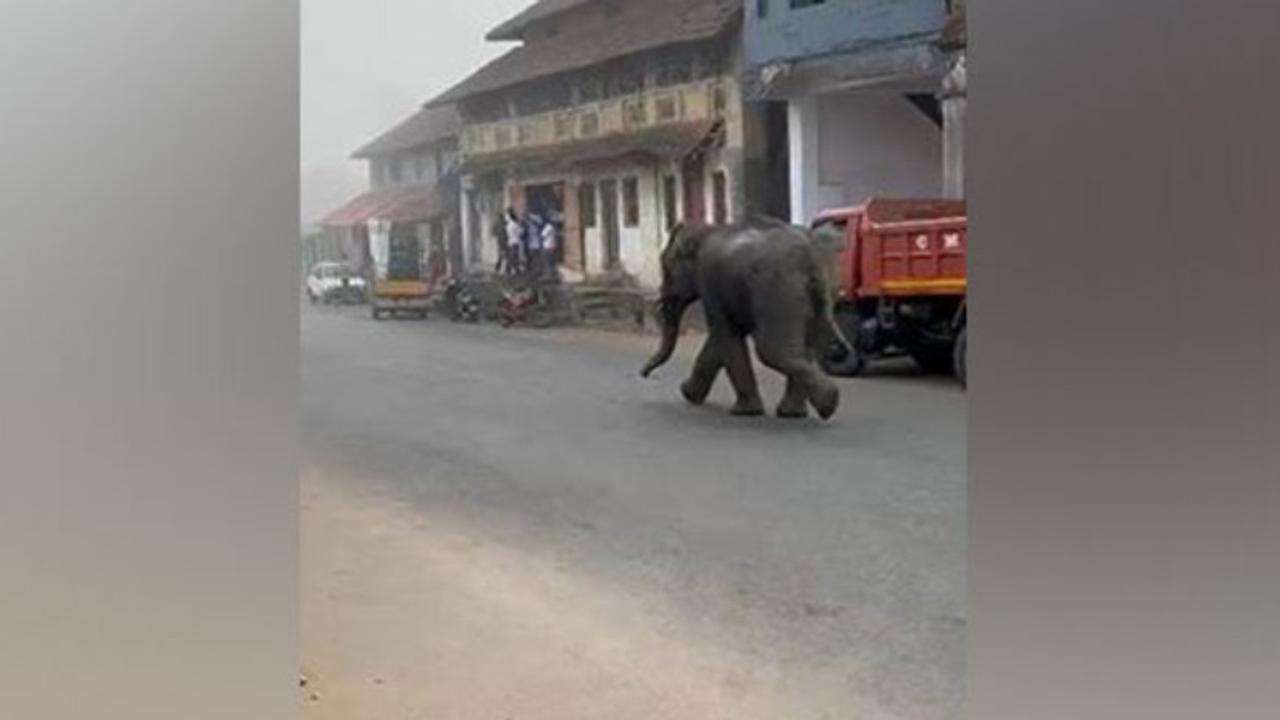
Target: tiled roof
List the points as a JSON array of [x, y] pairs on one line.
[[513, 28], [405, 203], [643, 25], [424, 127], [664, 141]]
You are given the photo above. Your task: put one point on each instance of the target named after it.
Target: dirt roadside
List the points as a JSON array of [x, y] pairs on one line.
[[404, 621]]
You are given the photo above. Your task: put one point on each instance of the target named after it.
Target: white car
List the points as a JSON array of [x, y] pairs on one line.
[[330, 282]]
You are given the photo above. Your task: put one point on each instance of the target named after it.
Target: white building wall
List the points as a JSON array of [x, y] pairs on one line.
[[878, 143], [488, 205], [803, 127], [847, 147], [641, 245]]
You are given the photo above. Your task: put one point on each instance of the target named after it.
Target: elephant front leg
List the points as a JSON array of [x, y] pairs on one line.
[[705, 371]]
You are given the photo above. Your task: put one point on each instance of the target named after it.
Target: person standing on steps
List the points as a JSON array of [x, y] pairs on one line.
[[515, 241], [533, 245], [550, 269]]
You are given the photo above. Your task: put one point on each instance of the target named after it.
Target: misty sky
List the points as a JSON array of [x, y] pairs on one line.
[[367, 64]]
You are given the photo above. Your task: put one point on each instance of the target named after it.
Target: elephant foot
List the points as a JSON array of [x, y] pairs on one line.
[[748, 408], [694, 393], [789, 410], [826, 400]]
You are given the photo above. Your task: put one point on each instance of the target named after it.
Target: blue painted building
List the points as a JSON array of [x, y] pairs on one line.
[[792, 30], [862, 82]]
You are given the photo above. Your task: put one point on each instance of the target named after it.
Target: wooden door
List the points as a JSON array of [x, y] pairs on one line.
[[695, 195], [610, 230]]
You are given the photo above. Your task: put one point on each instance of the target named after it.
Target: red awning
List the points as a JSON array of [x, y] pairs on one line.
[[408, 203]]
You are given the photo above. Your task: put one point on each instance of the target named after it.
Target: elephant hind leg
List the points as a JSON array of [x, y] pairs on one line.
[[805, 382], [795, 403], [738, 363]]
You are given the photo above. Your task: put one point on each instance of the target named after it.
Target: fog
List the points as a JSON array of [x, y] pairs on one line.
[[366, 64]]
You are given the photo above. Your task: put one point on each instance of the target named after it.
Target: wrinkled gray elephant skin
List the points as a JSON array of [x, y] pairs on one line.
[[763, 280]]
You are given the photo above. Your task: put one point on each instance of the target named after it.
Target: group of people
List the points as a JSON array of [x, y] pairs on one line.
[[527, 246]]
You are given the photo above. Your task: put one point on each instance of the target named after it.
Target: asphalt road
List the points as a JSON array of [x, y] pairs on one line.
[[822, 562]]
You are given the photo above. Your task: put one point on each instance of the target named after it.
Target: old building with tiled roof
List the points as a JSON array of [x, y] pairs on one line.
[[621, 117], [413, 188]]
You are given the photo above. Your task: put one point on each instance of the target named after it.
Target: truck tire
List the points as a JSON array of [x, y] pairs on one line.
[[961, 360], [935, 361]]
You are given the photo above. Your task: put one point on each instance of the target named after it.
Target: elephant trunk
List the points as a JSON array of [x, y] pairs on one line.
[[670, 312]]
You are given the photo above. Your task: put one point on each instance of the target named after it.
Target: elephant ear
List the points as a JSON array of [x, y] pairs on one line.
[[685, 242]]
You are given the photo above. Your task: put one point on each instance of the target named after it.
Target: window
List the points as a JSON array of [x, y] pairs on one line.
[[669, 200], [587, 204], [719, 99], [720, 191], [564, 126], [636, 113], [528, 134], [798, 4], [665, 108], [631, 202], [502, 137]]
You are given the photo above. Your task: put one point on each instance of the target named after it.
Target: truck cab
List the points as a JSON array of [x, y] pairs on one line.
[[901, 279]]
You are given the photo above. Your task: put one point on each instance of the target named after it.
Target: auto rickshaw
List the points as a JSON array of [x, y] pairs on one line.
[[401, 283]]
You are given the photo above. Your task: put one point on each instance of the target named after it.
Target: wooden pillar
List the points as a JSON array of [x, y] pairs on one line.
[[573, 248]]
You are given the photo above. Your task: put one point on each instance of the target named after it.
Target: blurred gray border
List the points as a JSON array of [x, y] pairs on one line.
[[148, 378], [1125, 488], [1124, 373]]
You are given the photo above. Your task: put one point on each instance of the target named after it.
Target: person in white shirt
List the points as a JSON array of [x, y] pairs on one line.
[[549, 247], [515, 242]]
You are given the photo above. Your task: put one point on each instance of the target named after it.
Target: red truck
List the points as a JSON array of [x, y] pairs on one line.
[[902, 284]]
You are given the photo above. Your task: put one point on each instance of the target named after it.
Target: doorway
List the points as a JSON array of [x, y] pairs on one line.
[[547, 201], [610, 231], [474, 231], [695, 196]]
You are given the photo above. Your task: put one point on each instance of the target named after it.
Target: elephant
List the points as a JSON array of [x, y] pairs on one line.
[[759, 278]]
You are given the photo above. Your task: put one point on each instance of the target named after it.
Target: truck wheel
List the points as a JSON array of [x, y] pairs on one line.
[[934, 362], [961, 359]]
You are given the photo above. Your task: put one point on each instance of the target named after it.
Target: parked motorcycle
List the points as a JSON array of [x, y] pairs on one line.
[[517, 306], [462, 303]]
